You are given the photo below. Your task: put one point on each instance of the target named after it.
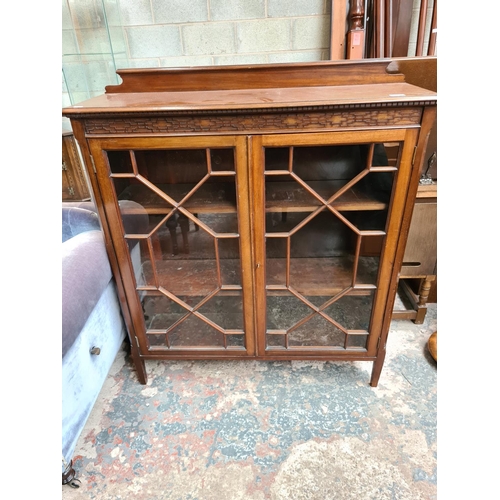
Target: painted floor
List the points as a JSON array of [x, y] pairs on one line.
[[203, 430]]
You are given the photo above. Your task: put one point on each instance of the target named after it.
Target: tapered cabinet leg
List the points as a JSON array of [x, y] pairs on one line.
[[140, 365], [377, 368]]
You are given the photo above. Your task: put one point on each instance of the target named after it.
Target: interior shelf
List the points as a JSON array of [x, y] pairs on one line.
[[184, 277], [320, 276], [292, 197], [309, 276], [280, 196], [217, 197]]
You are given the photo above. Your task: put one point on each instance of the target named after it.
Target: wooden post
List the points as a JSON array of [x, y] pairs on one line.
[[338, 30], [431, 51], [421, 28], [356, 34], [388, 35], [379, 28]]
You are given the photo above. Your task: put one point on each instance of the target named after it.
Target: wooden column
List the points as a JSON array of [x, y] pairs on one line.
[[338, 30], [356, 34]]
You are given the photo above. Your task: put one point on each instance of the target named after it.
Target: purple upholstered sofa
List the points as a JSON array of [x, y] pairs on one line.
[[93, 330]]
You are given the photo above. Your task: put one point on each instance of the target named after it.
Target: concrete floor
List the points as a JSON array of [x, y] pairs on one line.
[[277, 430]]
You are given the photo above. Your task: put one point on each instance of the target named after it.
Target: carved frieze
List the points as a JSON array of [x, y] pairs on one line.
[[254, 121]]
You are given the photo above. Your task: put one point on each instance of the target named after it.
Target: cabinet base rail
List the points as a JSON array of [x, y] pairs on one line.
[[140, 365]]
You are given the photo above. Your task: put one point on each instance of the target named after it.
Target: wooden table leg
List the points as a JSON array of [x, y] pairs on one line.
[[423, 295], [184, 224]]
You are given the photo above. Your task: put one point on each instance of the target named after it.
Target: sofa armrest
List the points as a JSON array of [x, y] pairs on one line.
[[85, 274], [76, 220]]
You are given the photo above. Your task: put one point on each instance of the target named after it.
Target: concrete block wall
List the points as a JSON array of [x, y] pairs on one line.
[[99, 36], [175, 33], [220, 32]]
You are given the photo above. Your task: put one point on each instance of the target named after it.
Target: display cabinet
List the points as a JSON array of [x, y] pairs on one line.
[[251, 212]]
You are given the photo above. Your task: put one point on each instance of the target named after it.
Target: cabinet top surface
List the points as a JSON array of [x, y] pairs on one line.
[[400, 92]]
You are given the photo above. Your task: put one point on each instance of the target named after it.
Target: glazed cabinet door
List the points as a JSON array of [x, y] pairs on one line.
[[328, 209], [177, 209]]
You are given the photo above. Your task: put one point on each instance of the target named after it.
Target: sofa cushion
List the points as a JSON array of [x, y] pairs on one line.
[[85, 274]]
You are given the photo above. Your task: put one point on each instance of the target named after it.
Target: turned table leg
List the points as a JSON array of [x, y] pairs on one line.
[[423, 295]]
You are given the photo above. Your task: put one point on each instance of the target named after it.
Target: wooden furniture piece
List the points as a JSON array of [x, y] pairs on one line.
[[389, 28], [356, 33], [418, 275], [420, 258], [74, 183], [338, 14], [283, 169]]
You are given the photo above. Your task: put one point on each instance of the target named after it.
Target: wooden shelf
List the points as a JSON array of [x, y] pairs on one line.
[[280, 197], [320, 276], [217, 197], [292, 197], [309, 276], [193, 277], [427, 190]]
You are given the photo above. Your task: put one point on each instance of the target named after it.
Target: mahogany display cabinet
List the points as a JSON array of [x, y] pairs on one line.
[[250, 212]]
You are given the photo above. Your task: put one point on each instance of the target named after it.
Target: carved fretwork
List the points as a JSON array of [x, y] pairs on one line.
[[79, 171], [205, 123]]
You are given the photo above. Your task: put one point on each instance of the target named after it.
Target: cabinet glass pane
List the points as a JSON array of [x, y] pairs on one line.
[[325, 223], [179, 215]]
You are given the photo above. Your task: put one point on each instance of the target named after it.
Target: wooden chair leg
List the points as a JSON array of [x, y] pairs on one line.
[[172, 227], [184, 224], [423, 295]]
